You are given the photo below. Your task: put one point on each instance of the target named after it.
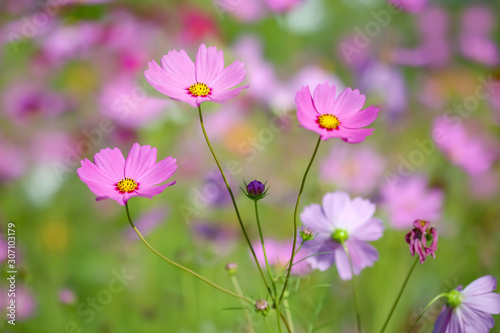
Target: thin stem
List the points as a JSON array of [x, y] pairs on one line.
[[295, 217], [180, 266], [237, 287], [399, 295], [233, 200], [264, 247], [288, 313], [426, 308], [356, 308], [288, 328], [278, 317]]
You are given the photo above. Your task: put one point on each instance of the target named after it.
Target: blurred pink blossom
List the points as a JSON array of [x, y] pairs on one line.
[[13, 161], [278, 255], [126, 102], [476, 42], [282, 6], [25, 101], [411, 6], [67, 296], [26, 303], [355, 169], [410, 199], [473, 153]]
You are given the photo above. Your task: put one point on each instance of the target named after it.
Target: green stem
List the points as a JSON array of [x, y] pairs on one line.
[[237, 287], [399, 295], [288, 314], [278, 317], [426, 308], [180, 266], [286, 323], [295, 217], [356, 308], [264, 247], [233, 200], [288, 262]]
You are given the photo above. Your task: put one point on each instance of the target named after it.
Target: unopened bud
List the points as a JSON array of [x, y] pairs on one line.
[[307, 234], [232, 268], [262, 306]]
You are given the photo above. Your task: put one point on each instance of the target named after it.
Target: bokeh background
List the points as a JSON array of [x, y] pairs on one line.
[[72, 83]]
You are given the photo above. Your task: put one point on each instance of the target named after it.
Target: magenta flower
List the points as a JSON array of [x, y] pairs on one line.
[[410, 6], [418, 238], [194, 83], [113, 177], [340, 220], [470, 310], [335, 117]]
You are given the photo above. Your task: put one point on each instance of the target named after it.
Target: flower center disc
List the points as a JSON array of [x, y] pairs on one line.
[[340, 235], [454, 298], [328, 121], [126, 185], [199, 89]]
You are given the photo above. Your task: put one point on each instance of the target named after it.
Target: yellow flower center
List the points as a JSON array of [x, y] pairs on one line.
[[126, 185], [328, 121], [199, 89]]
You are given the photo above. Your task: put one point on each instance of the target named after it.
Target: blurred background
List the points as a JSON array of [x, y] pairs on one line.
[[72, 83]]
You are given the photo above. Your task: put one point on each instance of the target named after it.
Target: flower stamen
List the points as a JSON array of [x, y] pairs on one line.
[[328, 121], [199, 89], [127, 185]]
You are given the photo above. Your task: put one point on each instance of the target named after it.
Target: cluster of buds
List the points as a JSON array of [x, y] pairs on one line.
[[255, 190], [419, 236]]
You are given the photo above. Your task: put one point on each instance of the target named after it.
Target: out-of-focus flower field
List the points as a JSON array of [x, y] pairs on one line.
[[72, 83]]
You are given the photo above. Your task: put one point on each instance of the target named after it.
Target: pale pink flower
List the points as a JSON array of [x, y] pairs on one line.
[[278, 255]]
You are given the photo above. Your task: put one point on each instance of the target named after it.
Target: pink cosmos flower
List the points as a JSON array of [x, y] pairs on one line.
[[355, 169], [333, 117], [278, 255], [340, 220], [470, 309], [67, 296], [113, 177], [194, 83], [418, 237], [410, 199], [282, 6]]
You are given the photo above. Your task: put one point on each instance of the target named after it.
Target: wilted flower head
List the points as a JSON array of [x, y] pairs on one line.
[[341, 221], [113, 177], [194, 83], [335, 117], [419, 236], [470, 309]]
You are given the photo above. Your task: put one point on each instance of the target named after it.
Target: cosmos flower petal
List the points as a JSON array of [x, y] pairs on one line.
[[343, 265], [179, 67], [101, 189], [443, 320], [159, 172], [369, 231], [112, 161], [90, 172], [475, 321], [489, 303], [324, 98], [334, 206], [150, 191], [209, 62], [325, 260], [363, 254], [139, 159], [224, 95], [313, 217], [361, 119], [229, 77], [165, 83], [360, 211], [482, 285], [456, 324], [348, 102]]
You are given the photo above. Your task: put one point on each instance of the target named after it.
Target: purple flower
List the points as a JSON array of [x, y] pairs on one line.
[[470, 310], [340, 220], [418, 238]]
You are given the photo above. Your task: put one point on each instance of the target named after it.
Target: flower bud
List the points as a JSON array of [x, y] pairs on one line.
[[262, 306], [306, 234], [255, 190], [232, 268]]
